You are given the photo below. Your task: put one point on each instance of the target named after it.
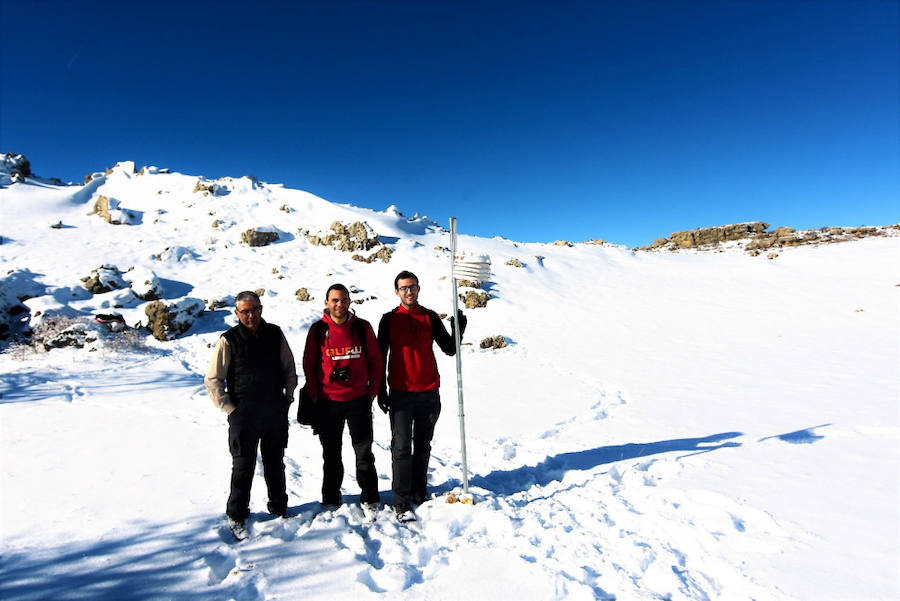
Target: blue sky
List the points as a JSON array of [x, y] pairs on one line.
[[536, 121]]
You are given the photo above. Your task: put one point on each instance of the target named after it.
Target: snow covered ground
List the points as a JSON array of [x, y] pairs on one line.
[[660, 426]]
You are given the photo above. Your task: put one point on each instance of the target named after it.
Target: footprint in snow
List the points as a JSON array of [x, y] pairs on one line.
[[219, 562]]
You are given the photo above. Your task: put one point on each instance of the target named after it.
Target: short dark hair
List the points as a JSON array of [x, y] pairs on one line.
[[405, 275], [339, 287], [246, 295]]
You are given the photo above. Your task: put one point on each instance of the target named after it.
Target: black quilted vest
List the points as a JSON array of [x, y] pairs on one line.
[[254, 374]]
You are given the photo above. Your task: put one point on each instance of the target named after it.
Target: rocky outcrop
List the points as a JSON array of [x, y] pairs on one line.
[[61, 332], [474, 300], [15, 166], [110, 211], [347, 238], [754, 237], [708, 236], [168, 321], [514, 263], [384, 253], [145, 284], [259, 237], [207, 188], [469, 284], [493, 342], [104, 279], [303, 295]]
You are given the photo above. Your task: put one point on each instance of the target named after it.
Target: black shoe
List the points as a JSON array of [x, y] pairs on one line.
[[238, 529], [277, 510], [404, 513], [419, 499]]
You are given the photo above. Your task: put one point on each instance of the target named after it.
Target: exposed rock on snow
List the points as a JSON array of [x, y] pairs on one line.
[[13, 168], [175, 254], [259, 237], [104, 279], [346, 238], [493, 342], [474, 300], [15, 287], [469, 284], [753, 237], [303, 295], [168, 321], [514, 263], [144, 283], [207, 188], [110, 211], [60, 332], [219, 303], [383, 253]]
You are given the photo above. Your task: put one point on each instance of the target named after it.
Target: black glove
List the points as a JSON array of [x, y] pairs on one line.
[[384, 401], [463, 320]]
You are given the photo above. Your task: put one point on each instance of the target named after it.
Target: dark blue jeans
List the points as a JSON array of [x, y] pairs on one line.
[[357, 414], [413, 417], [252, 425]]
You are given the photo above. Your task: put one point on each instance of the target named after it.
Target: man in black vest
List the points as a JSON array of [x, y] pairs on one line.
[[252, 378]]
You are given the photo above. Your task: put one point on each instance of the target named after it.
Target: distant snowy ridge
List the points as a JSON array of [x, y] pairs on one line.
[[752, 236]]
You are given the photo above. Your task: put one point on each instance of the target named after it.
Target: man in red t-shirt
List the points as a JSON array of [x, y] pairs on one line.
[[343, 367], [406, 335]]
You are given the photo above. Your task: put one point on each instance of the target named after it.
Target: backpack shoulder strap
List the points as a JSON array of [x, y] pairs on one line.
[[359, 328]]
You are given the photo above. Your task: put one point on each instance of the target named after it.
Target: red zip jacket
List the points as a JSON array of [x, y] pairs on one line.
[[406, 337], [340, 349]]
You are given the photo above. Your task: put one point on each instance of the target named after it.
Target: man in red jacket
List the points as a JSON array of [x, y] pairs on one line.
[[343, 367], [406, 335]]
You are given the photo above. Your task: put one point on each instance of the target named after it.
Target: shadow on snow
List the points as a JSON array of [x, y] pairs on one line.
[[805, 436], [553, 469], [42, 385]]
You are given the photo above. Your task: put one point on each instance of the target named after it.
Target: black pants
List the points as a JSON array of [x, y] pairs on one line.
[[250, 425], [358, 416], [413, 416]]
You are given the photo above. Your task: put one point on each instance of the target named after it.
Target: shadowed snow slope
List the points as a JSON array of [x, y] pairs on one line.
[[660, 426]]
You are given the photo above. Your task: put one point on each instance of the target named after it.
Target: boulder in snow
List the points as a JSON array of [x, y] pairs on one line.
[[259, 236], [14, 168], [474, 300], [144, 283], [493, 342], [168, 321], [110, 211], [347, 238], [104, 279]]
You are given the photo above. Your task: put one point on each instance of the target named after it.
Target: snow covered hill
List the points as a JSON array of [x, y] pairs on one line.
[[659, 426]]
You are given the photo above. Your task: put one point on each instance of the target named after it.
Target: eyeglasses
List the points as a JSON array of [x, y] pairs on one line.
[[413, 288], [253, 310]]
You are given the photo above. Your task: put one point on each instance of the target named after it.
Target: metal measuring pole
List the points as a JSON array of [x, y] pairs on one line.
[[458, 338]]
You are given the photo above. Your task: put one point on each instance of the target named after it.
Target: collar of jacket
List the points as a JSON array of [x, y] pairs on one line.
[[326, 317], [245, 331], [416, 310]]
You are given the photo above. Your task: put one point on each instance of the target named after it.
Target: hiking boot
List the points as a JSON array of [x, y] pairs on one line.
[[370, 510], [404, 513], [328, 507], [238, 529], [278, 511]]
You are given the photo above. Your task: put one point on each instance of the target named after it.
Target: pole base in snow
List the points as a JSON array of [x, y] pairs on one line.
[[459, 497]]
